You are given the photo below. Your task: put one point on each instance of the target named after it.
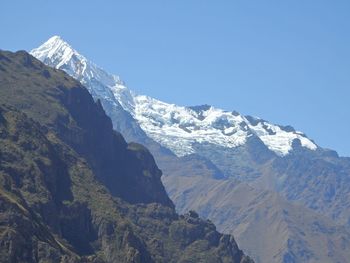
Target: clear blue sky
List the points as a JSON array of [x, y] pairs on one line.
[[285, 61]]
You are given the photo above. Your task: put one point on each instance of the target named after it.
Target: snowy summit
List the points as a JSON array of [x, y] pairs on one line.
[[175, 127]]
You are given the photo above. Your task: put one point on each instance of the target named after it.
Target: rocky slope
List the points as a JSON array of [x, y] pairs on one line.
[[270, 228], [72, 189], [213, 143]]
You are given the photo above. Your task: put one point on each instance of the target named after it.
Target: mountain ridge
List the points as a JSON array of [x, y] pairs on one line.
[[316, 179], [216, 128], [73, 190]]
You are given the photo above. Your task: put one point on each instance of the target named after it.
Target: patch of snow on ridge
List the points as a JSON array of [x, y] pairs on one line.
[[175, 127], [279, 140], [178, 128], [125, 96]]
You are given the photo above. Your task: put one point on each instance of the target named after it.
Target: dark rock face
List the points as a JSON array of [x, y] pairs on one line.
[[84, 126], [72, 189], [106, 150], [200, 110]]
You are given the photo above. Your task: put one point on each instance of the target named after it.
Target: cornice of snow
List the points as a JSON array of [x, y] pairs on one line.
[[175, 127]]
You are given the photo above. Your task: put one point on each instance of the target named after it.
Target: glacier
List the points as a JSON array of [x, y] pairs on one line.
[[175, 127]]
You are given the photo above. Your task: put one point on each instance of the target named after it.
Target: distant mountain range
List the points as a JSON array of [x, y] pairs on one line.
[[244, 173]]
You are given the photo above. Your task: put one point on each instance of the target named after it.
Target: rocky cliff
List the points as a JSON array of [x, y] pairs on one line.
[[72, 189]]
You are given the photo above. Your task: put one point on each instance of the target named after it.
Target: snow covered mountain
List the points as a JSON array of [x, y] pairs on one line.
[[177, 128], [204, 152]]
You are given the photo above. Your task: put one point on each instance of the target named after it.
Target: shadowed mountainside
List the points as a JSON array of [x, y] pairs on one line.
[[72, 189]]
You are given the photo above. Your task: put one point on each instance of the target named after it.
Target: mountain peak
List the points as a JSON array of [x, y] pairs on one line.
[[169, 124], [55, 38], [58, 42], [56, 52], [54, 48], [54, 41]]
